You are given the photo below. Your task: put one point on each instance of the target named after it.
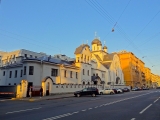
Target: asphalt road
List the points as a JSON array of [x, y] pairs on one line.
[[137, 105]]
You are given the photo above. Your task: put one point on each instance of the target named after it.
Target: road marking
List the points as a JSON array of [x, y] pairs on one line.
[[75, 112], [145, 108], [65, 115], [156, 100], [133, 118], [23, 110], [83, 110], [96, 99]]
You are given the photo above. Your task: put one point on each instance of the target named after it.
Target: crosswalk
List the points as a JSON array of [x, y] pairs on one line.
[[60, 116]]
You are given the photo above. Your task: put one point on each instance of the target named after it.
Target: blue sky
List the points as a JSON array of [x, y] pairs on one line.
[[59, 26]]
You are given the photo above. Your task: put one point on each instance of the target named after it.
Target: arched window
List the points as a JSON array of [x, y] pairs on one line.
[[83, 83], [88, 83]]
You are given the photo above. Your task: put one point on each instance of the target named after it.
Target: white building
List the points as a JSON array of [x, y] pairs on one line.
[[90, 67]]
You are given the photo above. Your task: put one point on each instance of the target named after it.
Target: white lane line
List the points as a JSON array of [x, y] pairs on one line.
[[145, 108], [89, 108], [57, 117], [83, 110], [156, 100], [133, 118], [96, 99], [23, 110], [75, 112], [96, 107]]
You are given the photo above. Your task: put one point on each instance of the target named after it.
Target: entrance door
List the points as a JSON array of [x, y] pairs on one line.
[[28, 87], [47, 89]]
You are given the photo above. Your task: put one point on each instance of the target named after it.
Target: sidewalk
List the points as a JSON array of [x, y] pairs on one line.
[[51, 97]]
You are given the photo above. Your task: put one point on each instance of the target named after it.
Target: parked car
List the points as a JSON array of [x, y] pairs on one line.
[[135, 89], [126, 89], [87, 91], [145, 88], [115, 91], [106, 91], [119, 90]]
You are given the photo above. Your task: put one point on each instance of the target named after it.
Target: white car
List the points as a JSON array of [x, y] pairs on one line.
[[106, 91], [119, 90]]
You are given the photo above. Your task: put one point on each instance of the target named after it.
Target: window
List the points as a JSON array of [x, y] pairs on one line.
[[10, 74], [35, 56], [9, 83], [15, 75], [76, 75], [83, 83], [65, 73], [54, 72], [83, 71], [25, 70], [4, 73], [25, 55], [93, 74], [88, 72], [21, 73], [102, 75], [31, 70], [30, 56], [14, 83], [78, 59], [70, 74]]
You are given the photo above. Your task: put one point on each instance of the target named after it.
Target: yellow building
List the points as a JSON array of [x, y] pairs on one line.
[[148, 76], [133, 69]]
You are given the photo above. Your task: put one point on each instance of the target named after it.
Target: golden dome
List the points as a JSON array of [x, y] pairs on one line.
[[96, 41]]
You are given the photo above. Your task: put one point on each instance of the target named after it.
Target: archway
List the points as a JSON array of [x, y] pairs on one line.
[[47, 85], [117, 80]]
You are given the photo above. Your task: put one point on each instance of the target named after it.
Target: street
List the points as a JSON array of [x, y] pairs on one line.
[[134, 105]]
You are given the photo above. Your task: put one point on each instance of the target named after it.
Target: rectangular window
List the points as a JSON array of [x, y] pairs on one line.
[[10, 74], [83, 71], [31, 70], [25, 70], [70, 74], [76, 75], [3, 73], [35, 56], [15, 75], [21, 73], [88, 72], [25, 55], [30, 56], [65, 73], [54, 72]]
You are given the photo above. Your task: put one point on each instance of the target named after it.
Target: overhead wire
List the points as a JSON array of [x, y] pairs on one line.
[[122, 32], [146, 25]]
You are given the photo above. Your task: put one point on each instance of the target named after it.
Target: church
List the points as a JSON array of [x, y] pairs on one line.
[[92, 66]]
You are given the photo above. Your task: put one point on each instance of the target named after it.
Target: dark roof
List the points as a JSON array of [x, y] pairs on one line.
[[80, 48], [108, 57], [98, 58], [51, 60], [107, 65]]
